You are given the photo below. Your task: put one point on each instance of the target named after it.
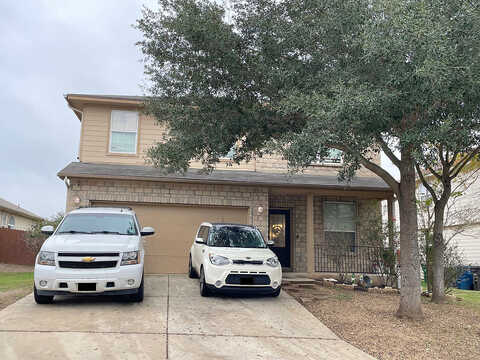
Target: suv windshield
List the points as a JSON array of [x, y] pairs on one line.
[[236, 236], [98, 224]]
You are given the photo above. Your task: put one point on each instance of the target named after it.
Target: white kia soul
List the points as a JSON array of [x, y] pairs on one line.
[[233, 258], [94, 251]]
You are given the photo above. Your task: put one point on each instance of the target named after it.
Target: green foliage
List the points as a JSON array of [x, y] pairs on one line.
[[298, 77], [34, 237]]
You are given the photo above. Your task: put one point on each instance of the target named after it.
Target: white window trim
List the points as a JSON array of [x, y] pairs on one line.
[[9, 225], [332, 164], [111, 131]]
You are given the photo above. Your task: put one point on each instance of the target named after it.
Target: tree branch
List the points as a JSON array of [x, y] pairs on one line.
[[461, 164], [393, 158], [425, 183]]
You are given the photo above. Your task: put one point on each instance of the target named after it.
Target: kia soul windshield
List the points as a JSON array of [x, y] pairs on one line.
[[98, 224], [235, 236]]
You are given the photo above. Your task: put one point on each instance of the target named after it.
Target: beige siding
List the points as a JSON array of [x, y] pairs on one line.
[[21, 223], [95, 137]]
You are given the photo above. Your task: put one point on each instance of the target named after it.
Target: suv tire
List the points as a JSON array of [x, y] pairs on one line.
[[277, 292], [204, 291], [41, 299], [138, 297], [192, 274]]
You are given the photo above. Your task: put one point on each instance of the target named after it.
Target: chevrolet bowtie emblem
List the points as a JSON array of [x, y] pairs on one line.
[[88, 259]]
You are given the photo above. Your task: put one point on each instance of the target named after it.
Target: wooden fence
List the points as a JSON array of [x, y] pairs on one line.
[[13, 249]]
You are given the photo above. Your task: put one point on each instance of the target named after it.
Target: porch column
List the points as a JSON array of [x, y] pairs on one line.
[[391, 227], [310, 239]]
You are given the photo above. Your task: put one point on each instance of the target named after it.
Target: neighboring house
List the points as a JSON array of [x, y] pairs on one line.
[[301, 213], [462, 216], [14, 217]]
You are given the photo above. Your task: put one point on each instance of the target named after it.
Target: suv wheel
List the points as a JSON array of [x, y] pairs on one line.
[[138, 297], [41, 299], [203, 285], [277, 292], [192, 274]]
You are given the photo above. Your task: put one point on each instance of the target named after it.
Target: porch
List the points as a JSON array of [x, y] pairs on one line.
[[326, 231]]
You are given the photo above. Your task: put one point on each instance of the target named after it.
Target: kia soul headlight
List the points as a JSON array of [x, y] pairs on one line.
[[46, 258], [130, 258], [218, 259], [273, 262]]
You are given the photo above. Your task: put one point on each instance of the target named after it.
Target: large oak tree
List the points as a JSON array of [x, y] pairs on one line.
[[301, 77]]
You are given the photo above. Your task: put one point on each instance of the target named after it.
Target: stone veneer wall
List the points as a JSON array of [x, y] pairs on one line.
[[146, 192], [298, 241]]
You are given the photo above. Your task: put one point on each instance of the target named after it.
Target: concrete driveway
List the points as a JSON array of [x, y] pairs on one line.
[[173, 322]]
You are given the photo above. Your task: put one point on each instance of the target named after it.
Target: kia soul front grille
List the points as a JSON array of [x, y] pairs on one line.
[[248, 262], [240, 279]]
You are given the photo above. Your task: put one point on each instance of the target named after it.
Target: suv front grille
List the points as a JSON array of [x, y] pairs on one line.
[[248, 262], [241, 279], [87, 265], [68, 254]]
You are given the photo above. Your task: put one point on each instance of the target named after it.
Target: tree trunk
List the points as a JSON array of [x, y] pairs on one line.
[[438, 286], [410, 302]]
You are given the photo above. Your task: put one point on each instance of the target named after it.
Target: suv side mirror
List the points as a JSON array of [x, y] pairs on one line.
[[47, 229], [199, 240], [147, 230], [270, 243]]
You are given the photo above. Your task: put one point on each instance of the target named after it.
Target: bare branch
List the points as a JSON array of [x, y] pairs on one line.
[[386, 149], [425, 183], [461, 164]]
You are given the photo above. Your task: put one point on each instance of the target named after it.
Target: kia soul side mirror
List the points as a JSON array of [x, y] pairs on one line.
[[270, 243], [147, 231], [47, 229], [199, 241]]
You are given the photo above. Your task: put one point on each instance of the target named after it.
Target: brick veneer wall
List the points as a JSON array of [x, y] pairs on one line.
[[298, 207], [146, 192]]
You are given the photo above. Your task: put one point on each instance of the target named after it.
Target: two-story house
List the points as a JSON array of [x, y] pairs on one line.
[[299, 212]]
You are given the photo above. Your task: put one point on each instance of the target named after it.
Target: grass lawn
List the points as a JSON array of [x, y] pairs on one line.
[[15, 280], [469, 297]]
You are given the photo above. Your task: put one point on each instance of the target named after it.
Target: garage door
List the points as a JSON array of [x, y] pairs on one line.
[[175, 228]]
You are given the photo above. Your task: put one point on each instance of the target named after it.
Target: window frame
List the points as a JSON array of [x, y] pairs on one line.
[[354, 245], [9, 224], [319, 162], [129, 132]]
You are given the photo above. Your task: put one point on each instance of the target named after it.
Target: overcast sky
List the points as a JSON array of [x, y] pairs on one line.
[[48, 49]]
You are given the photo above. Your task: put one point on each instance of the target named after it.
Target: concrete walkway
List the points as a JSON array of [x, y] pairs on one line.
[[173, 322]]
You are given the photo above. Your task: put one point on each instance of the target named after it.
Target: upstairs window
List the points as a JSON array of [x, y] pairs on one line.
[[123, 132], [334, 157]]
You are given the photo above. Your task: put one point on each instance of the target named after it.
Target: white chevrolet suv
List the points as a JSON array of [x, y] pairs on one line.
[[233, 258], [94, 251]]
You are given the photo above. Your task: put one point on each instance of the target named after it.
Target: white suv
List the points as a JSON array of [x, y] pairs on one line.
[[233, 258], [94, 251]]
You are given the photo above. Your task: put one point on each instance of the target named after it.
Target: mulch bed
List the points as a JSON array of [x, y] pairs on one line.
[[367, 321]]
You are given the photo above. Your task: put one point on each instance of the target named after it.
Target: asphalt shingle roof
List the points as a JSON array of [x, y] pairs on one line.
[[116, 171], [10, 207]]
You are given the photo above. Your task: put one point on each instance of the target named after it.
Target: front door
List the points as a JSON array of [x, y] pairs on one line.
[[279, 233]]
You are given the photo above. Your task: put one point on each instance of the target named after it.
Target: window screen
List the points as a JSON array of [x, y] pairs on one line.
[[123, 132], [339, 222]]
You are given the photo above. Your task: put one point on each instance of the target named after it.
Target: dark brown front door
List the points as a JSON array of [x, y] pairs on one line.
[[279, 232]]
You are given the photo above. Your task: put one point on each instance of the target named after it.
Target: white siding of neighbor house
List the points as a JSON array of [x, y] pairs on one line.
[[468, 243]]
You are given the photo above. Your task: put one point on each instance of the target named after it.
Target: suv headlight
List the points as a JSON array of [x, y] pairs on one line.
[[130, 258], [273, 262], [218, 259], [46, 258]]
